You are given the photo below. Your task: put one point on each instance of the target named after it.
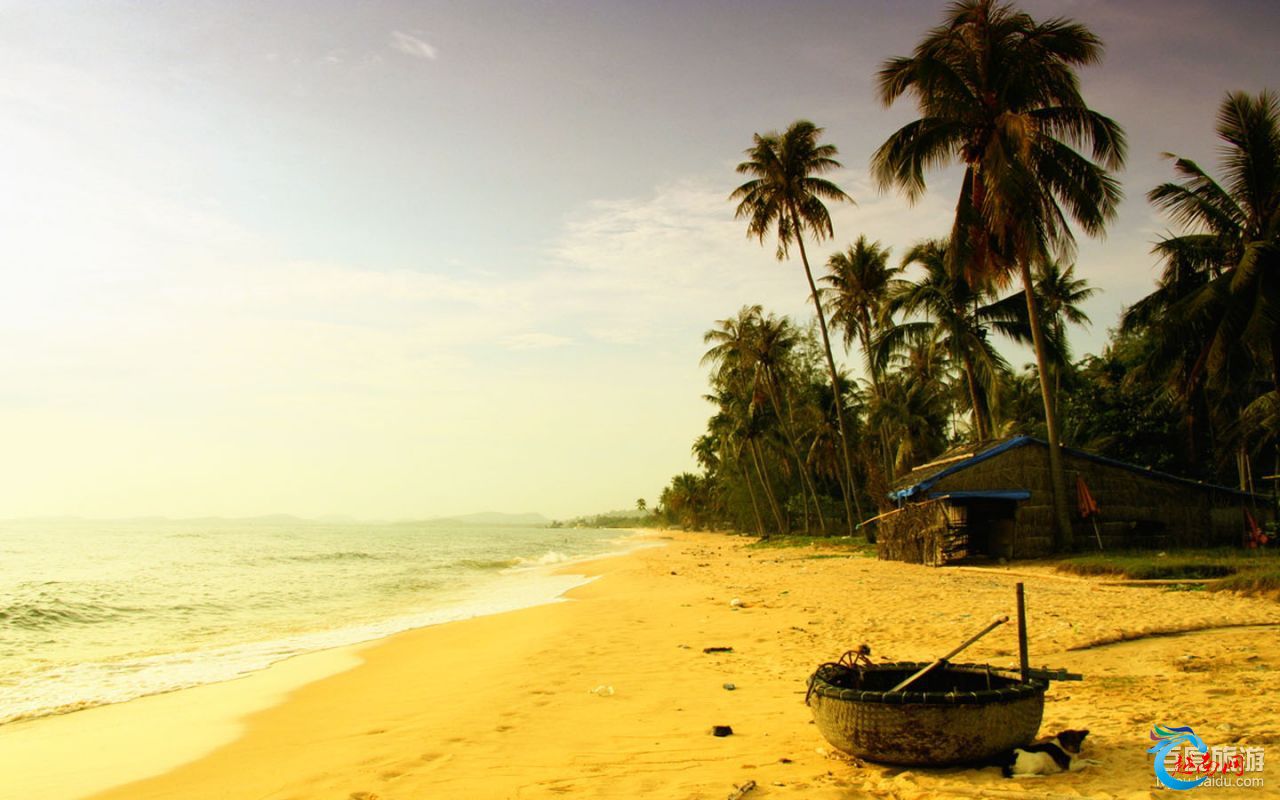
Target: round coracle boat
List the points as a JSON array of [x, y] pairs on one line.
[[956, 714]]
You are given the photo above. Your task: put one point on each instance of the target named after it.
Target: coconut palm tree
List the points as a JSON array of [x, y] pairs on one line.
[[757, 347], [859, 282], [741, 424], [1234, 233], [772, 351], [825, 449], [686, 500], [957, 321], [1059, 294], [1214, 311], [913, 407], [784, 196], [1176, 336], [998, 93], [727, 431]]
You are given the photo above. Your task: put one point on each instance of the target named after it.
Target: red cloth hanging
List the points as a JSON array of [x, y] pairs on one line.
[[1254, 536], [1084, 501]]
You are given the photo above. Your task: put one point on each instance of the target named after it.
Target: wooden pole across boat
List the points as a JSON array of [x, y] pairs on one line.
[[995, 623], [1023, 661]]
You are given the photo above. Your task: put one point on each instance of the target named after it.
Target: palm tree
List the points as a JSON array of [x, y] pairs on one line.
[[825, 449], [859, 283], [741, 424], [727, 431], [773, 345], [998, 93], [757, 347], [956, 322], [1235, 232], [686, 500], [785, 196], [1177, 336], [1215, 308], [913, 409], [1059, 294]]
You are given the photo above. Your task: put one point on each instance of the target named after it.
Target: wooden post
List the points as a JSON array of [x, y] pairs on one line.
[[1022, 635]]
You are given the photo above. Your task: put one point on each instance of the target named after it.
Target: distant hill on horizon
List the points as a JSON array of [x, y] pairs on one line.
[[497, 518], [479, 518]]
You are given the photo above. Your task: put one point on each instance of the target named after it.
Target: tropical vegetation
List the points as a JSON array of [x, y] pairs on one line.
[[1188, 381]]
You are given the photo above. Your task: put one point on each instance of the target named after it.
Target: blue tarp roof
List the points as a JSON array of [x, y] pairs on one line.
[[994, 494], [929, 482]]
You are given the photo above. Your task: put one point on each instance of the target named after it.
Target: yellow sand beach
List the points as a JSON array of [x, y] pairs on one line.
[[611, 695]]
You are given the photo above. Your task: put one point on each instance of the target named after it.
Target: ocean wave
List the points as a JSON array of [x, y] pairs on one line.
[[58, 613], [66, 708], [89, 630], [341, 555], [545, 560], [411, 584], [66, 688], [488, 564]]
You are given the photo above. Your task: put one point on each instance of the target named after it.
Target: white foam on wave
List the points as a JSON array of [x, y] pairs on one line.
[[553, 558], [72, 687], [547, 559]]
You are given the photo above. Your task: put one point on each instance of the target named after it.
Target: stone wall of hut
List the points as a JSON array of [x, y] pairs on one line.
[[1024, 468], [1137, 511]]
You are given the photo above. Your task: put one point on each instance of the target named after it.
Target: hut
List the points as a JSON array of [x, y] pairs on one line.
[[995, 500]]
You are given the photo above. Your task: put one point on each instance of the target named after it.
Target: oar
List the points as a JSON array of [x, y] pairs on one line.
[[995, 623]]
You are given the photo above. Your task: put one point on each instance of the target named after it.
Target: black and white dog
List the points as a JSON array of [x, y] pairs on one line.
[[1046, 756]]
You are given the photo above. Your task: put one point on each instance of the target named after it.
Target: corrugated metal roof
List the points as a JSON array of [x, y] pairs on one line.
[[992, 494], [926, 482]]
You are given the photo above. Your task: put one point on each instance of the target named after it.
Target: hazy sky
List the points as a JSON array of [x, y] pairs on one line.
[[395, 259]]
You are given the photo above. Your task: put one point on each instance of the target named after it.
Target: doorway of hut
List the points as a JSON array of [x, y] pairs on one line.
[[987, 523]]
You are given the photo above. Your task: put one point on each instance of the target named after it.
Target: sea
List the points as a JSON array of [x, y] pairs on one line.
[[95, 612]]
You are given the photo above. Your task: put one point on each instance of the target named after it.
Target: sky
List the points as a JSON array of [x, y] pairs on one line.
[[412, 259]]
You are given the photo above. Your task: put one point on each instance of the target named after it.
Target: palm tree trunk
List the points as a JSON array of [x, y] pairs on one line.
[[1275, 359], [835, 380], [1057, 476], [808, 489], [768, 489], [755, 504], [1242, 468], [864, 334], [980, 416]]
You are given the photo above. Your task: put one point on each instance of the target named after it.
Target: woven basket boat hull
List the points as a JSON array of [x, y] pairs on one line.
[[954, 719]]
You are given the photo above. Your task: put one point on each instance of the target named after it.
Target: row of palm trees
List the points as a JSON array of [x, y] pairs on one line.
[[997, 94], [775, 438]]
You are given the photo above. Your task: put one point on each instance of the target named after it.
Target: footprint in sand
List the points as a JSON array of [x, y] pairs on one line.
[[435, 760]]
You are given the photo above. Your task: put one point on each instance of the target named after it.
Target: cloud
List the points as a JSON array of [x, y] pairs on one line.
[[413, 46], [671, 262], [535, 341]]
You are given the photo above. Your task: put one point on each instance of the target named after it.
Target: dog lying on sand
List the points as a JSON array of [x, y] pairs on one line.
[[1060, 753]]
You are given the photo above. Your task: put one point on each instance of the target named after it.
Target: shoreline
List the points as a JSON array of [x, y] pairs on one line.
[[112, 744], [507, 705], [78, 645]]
